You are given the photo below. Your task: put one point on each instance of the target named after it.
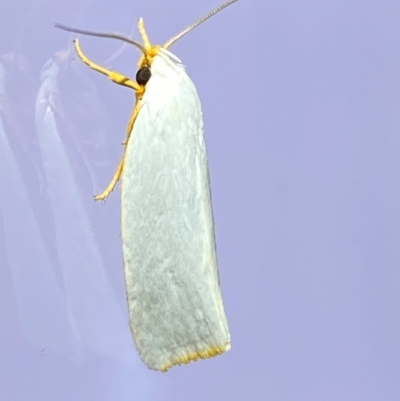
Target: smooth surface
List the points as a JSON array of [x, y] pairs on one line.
[[301, 103], [170, 263]]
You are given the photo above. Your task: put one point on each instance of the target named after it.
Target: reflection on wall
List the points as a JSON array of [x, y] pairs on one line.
[[61, 280]]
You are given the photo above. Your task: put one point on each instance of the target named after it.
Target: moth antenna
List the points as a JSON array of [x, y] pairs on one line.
[[101, 35], [198, 22]]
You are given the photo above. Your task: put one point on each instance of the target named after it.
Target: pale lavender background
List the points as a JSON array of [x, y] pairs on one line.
[[301, 104]]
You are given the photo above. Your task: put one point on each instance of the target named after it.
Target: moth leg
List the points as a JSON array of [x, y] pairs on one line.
[[116, 77], [124, 81], [115, 179], [120, 168]]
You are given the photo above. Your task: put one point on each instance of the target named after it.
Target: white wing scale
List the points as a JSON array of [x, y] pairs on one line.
[[175, 304]]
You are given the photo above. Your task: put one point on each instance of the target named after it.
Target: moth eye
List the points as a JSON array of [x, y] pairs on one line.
[[143, 75]]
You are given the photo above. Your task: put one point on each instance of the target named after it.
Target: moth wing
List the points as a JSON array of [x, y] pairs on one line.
[[174, 298]]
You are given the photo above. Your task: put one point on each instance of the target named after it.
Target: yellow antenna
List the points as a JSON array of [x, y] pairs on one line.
[[198, 22]]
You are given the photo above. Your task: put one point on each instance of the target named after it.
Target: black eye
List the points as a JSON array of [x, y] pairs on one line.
[[143, 75]]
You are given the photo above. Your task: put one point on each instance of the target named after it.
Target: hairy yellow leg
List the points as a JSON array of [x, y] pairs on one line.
[[113, 75], [120, 168], [114, 180], [120, 80]]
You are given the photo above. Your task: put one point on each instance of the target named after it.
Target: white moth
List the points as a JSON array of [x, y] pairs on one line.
[[175, 305]]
